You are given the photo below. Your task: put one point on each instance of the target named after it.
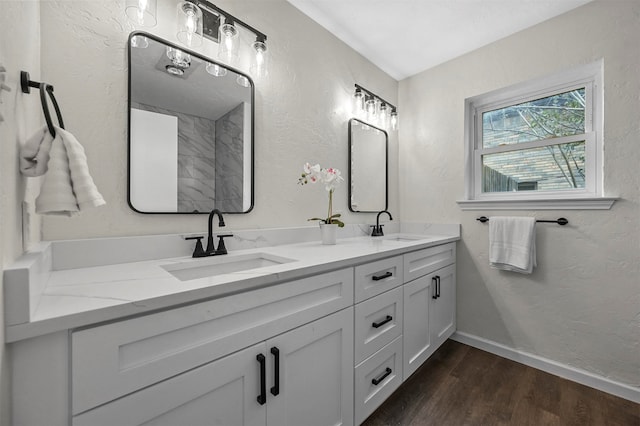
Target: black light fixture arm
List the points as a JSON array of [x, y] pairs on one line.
[[210, 7], [370, 93]]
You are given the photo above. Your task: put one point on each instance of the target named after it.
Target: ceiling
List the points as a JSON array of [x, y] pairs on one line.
[[405, 37]]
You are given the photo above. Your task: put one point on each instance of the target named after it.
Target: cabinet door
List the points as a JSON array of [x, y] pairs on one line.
[[315, 377], [444, 306], [417, 344], [222, 393]]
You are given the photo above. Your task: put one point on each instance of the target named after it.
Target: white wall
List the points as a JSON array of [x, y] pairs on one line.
[[300, 112], [19, 50], [581, 305]]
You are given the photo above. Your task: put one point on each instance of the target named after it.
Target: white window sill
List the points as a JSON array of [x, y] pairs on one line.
[[598, 203]]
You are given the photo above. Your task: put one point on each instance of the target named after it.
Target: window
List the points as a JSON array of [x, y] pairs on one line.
[[537, 143]]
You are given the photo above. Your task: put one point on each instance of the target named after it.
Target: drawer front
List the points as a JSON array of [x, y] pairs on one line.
[[116, 359], [377, 277], [423, 262], [378, 321], [376, 379]]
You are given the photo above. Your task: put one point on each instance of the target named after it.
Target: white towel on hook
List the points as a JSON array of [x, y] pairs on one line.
[[512, 243], [68, 187], [34, 154]]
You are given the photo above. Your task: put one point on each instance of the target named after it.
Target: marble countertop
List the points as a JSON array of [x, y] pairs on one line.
[[82, 296]]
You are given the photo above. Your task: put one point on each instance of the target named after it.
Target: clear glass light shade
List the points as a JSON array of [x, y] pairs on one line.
[[260, 59], [189, 19], [228, 47], [370, 107], [383, 116], [243, 81], [394, 120], [216, 70], [142, 12], [178, 57], [358, 103], [139, 42]]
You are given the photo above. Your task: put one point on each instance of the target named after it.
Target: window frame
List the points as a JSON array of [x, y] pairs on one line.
[[591, 196]]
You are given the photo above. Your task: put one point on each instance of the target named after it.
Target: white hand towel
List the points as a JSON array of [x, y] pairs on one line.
[[512, 243], [34, 154], [68, 187]]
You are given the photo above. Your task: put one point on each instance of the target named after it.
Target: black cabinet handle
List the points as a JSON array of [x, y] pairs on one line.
[[383, 322], [262, 398], [438, 284], [377, 380], [434, 281], [382, 277], [275, 390]]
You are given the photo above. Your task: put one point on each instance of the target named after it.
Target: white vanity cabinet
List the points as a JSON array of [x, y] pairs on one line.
[[302, 377], [131, 370], [429, 303]]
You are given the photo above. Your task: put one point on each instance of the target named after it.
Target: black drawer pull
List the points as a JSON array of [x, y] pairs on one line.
[[383, 322], [382, 277], [377, 380], [275, 390], [262, 398]]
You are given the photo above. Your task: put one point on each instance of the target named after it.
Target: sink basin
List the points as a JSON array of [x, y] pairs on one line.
[[212, 266]]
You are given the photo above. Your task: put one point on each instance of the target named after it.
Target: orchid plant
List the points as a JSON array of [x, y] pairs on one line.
[[331, 178]]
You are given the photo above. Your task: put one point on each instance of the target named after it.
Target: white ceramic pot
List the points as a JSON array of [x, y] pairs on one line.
[[328, 232]]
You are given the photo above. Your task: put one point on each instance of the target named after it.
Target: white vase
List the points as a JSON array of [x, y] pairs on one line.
[[328, 232]]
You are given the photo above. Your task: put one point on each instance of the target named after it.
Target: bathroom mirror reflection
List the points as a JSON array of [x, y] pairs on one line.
[[368, 167], [190, 131]]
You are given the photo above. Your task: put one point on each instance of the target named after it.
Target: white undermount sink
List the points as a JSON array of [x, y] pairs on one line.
[[219, 265], [406, 237]]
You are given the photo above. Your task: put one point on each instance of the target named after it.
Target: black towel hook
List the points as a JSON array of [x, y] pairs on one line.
[[26, 84]]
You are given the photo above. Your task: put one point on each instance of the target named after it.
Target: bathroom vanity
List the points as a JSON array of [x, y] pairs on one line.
[[293, 334]]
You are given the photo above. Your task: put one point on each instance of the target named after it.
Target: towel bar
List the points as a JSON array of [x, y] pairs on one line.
[[559, 221]]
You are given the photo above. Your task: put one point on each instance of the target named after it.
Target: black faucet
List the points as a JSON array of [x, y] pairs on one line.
[[211, 248], [377, 228]]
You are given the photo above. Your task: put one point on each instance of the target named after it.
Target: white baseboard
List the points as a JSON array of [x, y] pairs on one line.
[[577, 375]]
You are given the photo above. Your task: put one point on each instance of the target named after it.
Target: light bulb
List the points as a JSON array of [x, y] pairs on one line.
[[371, 110], [358, 102], [216, 70], [259, 61], [383, 116], [142, 12], [189, 18], [394, 120], [228, 49]]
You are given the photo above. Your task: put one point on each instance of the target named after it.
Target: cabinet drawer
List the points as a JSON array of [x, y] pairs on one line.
[[376, 378], [378, 321], [377, 277], [116, 359], [423, 262]]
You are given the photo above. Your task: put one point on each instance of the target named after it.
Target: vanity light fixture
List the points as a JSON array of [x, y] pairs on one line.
[[374, 109], [142, 12], [199, 19]]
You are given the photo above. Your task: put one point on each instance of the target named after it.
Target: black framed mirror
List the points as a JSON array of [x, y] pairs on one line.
[[191, 138], [368, 167]]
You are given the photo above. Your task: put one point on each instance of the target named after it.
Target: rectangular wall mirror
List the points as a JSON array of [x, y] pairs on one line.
[[190, 131], [368, 167]]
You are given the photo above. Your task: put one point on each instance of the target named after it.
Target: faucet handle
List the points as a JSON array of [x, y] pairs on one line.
[[221, 247], [377, 231], [198, 251]]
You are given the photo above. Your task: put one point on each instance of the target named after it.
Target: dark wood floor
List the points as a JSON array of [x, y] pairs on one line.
[[462, 385]]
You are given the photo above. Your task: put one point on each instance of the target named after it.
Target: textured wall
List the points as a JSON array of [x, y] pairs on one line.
[[300, 112], [581, 306], [19, 50]]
